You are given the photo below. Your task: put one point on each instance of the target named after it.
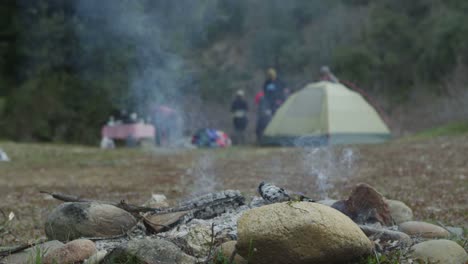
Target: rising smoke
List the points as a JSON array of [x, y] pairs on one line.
[[323, 167], [203, 175], [154, 68], [151, 36]]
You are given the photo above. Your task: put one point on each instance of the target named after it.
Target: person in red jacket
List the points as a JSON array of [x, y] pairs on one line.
[[259, 97]]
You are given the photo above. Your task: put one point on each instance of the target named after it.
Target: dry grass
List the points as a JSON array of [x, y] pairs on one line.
[[431, 176]]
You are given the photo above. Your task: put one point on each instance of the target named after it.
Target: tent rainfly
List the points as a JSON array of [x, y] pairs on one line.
[[325, 113]]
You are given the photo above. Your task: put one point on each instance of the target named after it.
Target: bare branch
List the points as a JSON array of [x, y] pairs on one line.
[[210, 252]]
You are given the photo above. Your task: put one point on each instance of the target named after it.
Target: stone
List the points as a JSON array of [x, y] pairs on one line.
[[109, 244], [29, 255], [257, 202], [299, 232], [224, 252], [272, 193], [198, 240], [195, 239], [157, 201], [3, 156], [423, 229], [399, 211], [72, 252], [96, 258], [148, 250], [163, 222], [365, 205], [70, 221], [439, 251]]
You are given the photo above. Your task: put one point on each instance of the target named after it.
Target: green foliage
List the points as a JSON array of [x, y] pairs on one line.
[[228, 21], [65, 65], [355, 64], [306, 11], [393, 257], [453, 129], [406, 44], [217, 84], [2, 104], [63, 90], [38, 256], [125, 258]]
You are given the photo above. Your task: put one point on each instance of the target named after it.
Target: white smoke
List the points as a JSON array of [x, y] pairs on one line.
[[324, 166], [154, 72], [203, 176]]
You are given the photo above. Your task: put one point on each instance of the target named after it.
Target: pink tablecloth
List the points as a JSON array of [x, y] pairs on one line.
[[136, 131]]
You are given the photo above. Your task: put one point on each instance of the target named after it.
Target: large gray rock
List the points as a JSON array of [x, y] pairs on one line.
[[423, 229], [157, 201], [400, 211], [72, 252], [194, 238], [299, 232], [29, 255], [148, 250], [365, 205], [439, 251], [70, 221]]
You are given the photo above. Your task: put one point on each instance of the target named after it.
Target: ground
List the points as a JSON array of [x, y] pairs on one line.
[[430, 175]]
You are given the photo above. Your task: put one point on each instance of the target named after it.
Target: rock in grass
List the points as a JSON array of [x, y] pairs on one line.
[[365, 205], [34, 254], [157, 201], [299, 232], [70, 221], [72, 252], [400, 211], [439, 251], [148, 250], [423, 229]]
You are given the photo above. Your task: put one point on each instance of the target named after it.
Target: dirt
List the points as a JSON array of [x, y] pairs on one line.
[[431, 176]]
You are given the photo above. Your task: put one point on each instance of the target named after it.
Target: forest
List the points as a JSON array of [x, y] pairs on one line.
[[65, 66]]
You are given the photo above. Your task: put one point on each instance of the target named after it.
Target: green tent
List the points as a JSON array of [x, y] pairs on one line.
[[325, 113]]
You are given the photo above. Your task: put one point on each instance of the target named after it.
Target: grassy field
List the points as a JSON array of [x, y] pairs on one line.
[[430, 175]]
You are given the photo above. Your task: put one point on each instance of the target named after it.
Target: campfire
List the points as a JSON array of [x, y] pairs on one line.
[[227, 227]]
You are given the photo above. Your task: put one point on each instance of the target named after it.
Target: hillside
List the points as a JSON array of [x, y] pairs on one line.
[[65, 67]]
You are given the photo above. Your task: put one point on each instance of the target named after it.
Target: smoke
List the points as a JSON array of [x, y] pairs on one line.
[[142, 42], [323, 167], [203, 175]]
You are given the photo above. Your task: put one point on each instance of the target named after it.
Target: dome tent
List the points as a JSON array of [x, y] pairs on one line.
[[325, 113]]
